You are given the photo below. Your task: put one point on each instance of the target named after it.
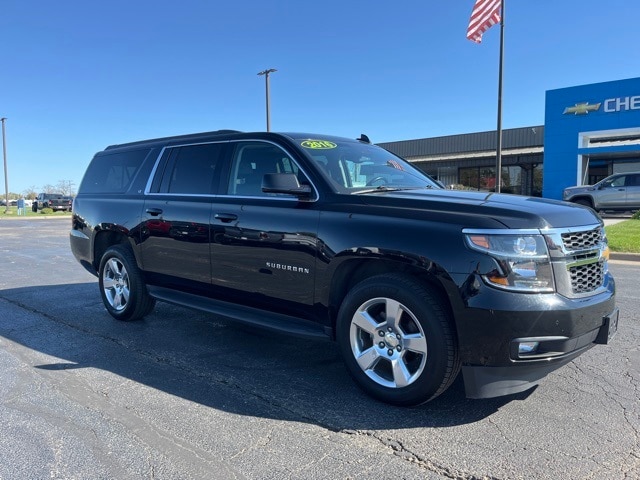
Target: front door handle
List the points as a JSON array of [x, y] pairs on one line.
[[225, 217], [154, 212]]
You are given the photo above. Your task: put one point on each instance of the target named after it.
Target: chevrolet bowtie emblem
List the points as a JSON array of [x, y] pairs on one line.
[[582, 108]]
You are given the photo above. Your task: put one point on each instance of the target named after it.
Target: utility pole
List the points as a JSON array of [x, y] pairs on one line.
[[266, 81], [6, 179]]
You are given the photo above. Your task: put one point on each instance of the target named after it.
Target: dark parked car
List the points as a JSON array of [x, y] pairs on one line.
[[619, 192], [54, 201], [336, 238]]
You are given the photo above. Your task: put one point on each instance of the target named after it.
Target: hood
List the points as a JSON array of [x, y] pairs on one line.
[[583, 188], [483, 210]]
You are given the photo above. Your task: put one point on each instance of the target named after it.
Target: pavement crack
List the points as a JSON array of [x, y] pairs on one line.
[[399, 450]]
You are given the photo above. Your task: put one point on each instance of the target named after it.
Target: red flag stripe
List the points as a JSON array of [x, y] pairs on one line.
[[485, 14]]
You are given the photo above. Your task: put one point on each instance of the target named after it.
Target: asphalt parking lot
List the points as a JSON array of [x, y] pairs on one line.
[[183, 394]]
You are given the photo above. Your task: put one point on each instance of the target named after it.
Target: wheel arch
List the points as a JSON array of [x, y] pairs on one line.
[[351, 272], [581, 199], [105, 239]]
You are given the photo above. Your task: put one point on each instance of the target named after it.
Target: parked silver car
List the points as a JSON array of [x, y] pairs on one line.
[[619, 192]]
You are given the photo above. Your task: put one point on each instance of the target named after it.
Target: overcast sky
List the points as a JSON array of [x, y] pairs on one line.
[[76, 76]]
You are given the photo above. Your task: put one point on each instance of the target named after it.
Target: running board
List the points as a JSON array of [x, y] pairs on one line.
[[251, 316]]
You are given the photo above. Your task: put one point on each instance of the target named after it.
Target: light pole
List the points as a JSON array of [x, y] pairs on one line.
[[266, 82], [6, 180]]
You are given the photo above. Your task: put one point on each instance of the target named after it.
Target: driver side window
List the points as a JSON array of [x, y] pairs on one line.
[[251, 162], [617, 182]]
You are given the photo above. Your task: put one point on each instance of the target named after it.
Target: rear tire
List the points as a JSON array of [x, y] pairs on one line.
[[397, 340], [122, 287]]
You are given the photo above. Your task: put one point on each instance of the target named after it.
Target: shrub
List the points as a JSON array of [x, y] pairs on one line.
[[46, 211], [636, 216]]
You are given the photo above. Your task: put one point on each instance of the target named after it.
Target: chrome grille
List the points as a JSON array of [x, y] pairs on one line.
[[587, 278], [579, 259], [581, 240]]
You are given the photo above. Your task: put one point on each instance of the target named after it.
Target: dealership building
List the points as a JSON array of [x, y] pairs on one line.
[[590, 132]]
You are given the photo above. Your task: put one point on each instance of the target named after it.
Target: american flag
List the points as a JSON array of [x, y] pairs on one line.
[[485, 14], [395, 164]]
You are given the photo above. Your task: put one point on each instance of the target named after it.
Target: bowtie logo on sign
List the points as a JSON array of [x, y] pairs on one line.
[[582, 108], [610, 105]]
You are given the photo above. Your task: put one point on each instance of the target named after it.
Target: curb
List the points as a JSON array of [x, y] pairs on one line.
[[39, 217], [623, 256]]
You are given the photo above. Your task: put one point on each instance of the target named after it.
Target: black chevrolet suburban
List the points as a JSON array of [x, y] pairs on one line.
[[336, 238]]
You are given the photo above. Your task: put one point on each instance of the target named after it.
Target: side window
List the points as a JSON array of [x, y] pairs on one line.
[[251, 161], [618, 182], [112, 173], [633, 180], [191, 169]]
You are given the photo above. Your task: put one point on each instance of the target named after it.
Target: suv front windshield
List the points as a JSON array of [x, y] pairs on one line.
[[355, 167]]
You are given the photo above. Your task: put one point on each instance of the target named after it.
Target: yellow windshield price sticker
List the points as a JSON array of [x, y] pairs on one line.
[[318, 144]]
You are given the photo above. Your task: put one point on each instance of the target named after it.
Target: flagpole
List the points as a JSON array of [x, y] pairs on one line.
[[499, 126]]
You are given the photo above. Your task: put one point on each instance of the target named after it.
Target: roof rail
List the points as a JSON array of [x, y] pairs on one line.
[[189, 136]]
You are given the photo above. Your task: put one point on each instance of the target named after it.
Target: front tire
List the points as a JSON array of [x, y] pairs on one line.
[[397, 340], [584, 202], [122, 287]]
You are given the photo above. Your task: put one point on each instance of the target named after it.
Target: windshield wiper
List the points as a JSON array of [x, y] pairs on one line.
[[383, 188]]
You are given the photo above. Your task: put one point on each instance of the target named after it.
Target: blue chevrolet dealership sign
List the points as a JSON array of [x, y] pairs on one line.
[[586, 124]]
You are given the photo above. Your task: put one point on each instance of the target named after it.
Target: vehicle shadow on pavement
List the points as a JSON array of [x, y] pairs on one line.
[[216, 363]]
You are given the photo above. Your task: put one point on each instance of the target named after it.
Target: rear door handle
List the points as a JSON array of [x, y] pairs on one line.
[[225, 217], [154, 212]]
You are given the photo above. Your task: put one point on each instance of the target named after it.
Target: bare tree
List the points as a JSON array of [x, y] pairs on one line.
[[65, 187], [48, 188], [30, 193]]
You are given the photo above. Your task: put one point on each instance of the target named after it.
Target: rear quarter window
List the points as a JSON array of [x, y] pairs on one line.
[[116, 172], [191, 169]]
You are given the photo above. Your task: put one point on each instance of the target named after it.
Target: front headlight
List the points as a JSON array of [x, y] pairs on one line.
[[522, 261]]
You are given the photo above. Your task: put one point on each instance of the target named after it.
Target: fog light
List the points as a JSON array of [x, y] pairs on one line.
[[528, 348]]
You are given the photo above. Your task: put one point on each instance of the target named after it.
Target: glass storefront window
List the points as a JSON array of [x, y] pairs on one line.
[[536, 181], [469, 178], [484, 179], [512, 179]]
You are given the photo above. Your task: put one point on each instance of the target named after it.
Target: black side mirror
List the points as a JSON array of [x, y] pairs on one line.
[[285, 183]]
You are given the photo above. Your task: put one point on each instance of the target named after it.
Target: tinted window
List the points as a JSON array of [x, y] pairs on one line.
[[633, 180], [191, 169], [112, 173], [251, 161]]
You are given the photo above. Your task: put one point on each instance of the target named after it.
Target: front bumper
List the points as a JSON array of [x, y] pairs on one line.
[[487, 381], [492, 325]]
